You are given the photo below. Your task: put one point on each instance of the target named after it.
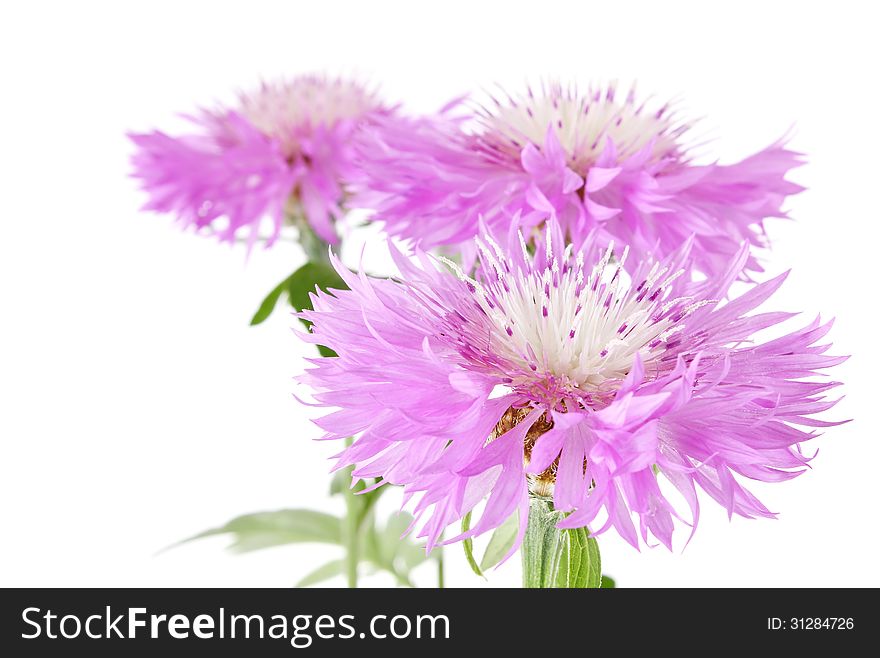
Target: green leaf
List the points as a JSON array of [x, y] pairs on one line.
[[322, 573], [608, 582], [388, 551], [580, 564], [558, 558], [501, 542], [303, 282], [268, 304], [402, 552], [252, 532], [468, 545], [298, 286]]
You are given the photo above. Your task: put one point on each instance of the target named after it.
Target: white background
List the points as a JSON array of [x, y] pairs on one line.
[[139, 407]]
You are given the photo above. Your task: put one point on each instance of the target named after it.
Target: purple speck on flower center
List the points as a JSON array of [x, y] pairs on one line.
[[470, 287], [509, 331], [603, 353], [544, 311], [622, 328]]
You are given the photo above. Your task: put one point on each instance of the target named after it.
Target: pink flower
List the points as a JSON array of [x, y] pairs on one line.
[[285, 148], [594, 161], [560, 376]]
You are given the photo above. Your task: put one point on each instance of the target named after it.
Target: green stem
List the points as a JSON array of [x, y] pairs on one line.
[[314, 246], [316, 252], [350, 531], [542, 546]]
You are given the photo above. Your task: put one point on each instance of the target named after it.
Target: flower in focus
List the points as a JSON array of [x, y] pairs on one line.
[[558, 375], [593, 161], [284, 149]]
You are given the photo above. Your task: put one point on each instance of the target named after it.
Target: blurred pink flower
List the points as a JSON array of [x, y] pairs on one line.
[[593, 161], [287, 143], [560, 375]]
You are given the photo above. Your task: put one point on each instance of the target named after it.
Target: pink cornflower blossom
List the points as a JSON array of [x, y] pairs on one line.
[[284, 149], [559, 375], [599, 161]]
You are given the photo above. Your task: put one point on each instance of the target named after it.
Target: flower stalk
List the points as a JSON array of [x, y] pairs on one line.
[[557, 558]]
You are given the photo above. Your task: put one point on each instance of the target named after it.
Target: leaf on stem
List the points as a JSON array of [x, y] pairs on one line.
[[298, 286], [468, 545], [501, 542], [252, 532], [387, 550], [579, 565], [322, 573]]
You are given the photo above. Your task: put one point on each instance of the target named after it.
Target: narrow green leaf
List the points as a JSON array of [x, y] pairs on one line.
[[608, 582], [252, 532], [501, 542], [468, 545], [387, 551], [271, 300], [400, 551], [558, 558], [322, 573], [580, 563]]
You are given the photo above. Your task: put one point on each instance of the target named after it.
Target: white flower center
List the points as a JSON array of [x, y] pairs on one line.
[[582, 124], [290, 110], [558, 333]]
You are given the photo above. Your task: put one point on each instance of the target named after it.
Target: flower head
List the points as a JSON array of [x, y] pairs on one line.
[[284, 148], [595, 161], [561, 375]]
